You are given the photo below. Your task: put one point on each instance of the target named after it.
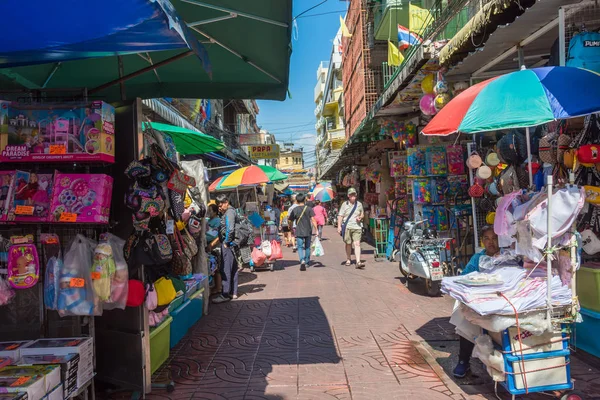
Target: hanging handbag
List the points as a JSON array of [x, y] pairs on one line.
[[179, 182], [190, 243], [512, 147], [151, 297], [474, 161], [181, 263], [484, 172], [492, 159], [476, 190], [165, 291], [591, 243], [177, 204], [509, 182]]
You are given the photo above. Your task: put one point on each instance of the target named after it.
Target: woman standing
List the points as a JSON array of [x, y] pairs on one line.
[[320, 217]]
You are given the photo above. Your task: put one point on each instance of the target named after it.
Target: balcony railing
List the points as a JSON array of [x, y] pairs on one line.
[[445, 20]]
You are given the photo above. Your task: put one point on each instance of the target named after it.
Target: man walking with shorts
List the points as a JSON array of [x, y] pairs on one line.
[[303, 217], [350, 226]]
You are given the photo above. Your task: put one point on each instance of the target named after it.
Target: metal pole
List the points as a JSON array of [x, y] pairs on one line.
[[562, 40], [529, 158], [548, 254], [141, 71]]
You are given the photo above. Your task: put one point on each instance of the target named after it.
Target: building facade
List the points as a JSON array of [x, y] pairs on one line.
[[329, 108]]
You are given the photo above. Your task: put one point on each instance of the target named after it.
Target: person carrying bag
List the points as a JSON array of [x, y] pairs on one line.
[[349, 226]]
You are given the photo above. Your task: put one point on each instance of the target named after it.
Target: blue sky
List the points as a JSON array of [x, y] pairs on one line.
[[294, 118]]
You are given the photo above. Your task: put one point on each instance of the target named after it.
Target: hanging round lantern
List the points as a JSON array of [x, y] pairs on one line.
[[428, 83], [426, 104], [441, 100], [441, 87]]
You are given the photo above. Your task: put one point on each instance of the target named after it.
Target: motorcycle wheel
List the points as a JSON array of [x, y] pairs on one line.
[[433, 287], [404, 253]]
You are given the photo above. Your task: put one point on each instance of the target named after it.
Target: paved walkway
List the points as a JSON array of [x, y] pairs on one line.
[[331, 332]]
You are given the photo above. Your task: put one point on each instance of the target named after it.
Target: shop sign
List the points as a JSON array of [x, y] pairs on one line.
[[264, 151]]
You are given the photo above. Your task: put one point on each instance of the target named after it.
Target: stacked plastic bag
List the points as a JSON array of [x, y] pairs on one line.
[[479, 291]]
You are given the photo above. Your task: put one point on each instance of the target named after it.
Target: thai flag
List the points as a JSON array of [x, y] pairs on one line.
[[407, 38]]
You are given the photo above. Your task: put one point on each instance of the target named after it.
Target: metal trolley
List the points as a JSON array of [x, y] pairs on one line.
[[268, 232]]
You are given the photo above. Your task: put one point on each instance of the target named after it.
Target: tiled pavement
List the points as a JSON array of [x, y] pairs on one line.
[[332, 332]]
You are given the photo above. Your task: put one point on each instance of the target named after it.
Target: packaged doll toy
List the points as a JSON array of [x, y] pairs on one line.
[[30, 197], [6, 184], [81, 198], [23, 262], [60, 133]]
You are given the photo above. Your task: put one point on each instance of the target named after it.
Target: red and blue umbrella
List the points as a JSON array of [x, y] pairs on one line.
[[520, 99], [324, 194]]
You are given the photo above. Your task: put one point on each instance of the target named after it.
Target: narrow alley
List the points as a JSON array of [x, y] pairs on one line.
[[332, 332]]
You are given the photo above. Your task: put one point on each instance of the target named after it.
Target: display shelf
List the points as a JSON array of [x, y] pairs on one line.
[[84, 388]]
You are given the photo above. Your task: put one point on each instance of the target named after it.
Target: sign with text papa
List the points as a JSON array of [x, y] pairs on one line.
[[264, 151]]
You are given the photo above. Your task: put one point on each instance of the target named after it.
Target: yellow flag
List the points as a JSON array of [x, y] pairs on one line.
[[419, 19], [345, 31], [395, 58]]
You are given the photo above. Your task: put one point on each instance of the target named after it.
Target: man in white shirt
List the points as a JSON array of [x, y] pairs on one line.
[[350, 226], [294, 205]]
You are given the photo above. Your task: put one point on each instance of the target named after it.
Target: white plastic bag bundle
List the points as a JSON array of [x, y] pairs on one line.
[[119, 277], [317, 247], [493, 359], [76, 291], [265, 247]]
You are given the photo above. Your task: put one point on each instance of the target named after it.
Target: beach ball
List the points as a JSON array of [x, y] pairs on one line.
[[426, 104], [427, 84], [460, 87], [441, 87], [441, 100]]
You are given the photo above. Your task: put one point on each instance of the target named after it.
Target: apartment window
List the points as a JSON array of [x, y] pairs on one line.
[[286, 160]]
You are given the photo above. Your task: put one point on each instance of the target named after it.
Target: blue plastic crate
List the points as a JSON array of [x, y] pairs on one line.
[[586, 333], [196, 307], [514, 383], [180, 324]]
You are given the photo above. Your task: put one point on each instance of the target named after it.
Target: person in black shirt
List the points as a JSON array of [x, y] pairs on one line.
[[306, 226]]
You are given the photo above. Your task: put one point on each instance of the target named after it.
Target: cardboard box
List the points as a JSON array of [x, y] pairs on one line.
[[63, 346], [59, 134], [12, 350], [30, 197], [33, 386], [13, 396], [68, 363], [49, 373], [56, 394]]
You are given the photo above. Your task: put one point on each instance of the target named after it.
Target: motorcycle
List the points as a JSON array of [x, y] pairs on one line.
[[332, 216], [419, 256]]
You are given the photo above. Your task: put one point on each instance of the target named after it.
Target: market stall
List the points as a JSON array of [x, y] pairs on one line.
[[520, 306]]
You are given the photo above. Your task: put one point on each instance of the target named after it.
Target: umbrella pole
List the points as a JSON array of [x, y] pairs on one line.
[[529, 158], [237, 193]]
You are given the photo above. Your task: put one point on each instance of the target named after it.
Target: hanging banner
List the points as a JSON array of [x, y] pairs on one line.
[[264, 151]]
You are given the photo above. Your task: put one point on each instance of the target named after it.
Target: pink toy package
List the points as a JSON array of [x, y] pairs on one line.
[[83, 198], [30, 197], [23, 262]]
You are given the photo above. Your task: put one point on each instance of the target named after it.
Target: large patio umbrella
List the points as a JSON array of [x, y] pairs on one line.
[[324, 194], [187, 141], [520, 99], [149, 48], [252, 175]]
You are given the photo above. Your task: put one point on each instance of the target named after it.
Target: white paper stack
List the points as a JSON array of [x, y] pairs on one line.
[[525, 294]]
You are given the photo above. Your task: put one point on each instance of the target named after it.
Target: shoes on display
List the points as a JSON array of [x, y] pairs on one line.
[[461, 370], [220, 299]]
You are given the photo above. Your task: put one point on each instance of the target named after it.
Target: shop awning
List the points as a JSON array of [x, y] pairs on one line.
[[188, 141], [168, 113], [475, 33], [248, 45], [219, 159], [53, 32]]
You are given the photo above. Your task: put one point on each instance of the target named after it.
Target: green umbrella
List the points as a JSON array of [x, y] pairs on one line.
[[248, 45], [188, 141], [274, 174]]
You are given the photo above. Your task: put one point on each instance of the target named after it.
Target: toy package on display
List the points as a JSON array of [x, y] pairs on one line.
[[30, 197], [23, 262], [59, 133], [54, 263], [81, 198], [6, 185]]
